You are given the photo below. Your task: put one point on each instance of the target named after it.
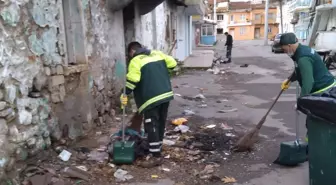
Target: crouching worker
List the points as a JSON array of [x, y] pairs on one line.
[[148, 77]]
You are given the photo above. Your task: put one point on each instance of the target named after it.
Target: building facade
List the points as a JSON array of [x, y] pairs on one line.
[[247, 21]]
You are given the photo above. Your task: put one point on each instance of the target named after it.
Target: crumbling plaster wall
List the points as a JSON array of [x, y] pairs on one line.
[[161, 12], [42, 97]]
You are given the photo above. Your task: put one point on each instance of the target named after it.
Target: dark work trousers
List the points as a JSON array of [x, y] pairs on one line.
[[228, 52], [155, 123]]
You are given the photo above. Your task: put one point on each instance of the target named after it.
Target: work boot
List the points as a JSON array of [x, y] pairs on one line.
[[150, 163]]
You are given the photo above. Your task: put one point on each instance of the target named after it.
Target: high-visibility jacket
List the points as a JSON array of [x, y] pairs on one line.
[[148, 78]]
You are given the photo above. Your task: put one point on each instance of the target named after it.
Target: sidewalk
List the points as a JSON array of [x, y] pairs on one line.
[[199, 59]]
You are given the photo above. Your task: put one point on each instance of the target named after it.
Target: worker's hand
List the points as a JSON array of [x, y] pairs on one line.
[[285, 84], [123, 100]]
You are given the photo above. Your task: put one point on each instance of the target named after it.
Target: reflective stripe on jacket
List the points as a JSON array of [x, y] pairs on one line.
[[148, 78]]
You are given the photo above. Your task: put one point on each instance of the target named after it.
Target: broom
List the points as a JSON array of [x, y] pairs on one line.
[[246, 142]]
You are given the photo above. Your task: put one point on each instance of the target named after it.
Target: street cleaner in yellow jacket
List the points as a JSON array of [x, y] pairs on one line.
[[310, 71], [148, 78]]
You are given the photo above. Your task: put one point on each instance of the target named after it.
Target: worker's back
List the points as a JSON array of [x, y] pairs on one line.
[[154, 86]]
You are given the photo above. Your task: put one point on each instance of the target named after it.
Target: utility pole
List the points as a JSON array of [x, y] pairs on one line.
[[266, 23], [215, 18], [281, 17]]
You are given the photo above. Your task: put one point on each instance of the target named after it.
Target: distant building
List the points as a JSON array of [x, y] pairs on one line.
[[247, 20]]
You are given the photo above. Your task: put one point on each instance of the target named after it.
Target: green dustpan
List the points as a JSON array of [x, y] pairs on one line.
[[123, 151], [293, 153]]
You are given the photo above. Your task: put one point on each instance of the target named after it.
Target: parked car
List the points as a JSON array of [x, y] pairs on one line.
[[276, 48]]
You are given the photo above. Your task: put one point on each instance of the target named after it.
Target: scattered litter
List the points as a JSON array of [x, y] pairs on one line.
[[168, 142], [226, 127], [167, 157], [226, 180], [210, 70], [228, 111], [102, 149], [99, 133], [165, 169], [65, 155], [225, 158], [199, 97], [226, 153], [98, 156], [177, 95], [76, 173], [179, 121], [203, 105], [155, 176], [188, 112], [194, 152], [216, 70], [211, 126], [230, 135], [207, 170], [244, 65], [181, 128], [111, 165], [118, 119], [122, 175], [84, 168]]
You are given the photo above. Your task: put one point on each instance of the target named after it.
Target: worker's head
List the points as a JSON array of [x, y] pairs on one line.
[[226, 33], [289, 43], [132, 48]]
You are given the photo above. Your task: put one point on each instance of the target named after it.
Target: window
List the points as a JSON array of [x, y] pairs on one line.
[[269, 29], [271, 16], [220, 17], [207, 30], [242, 31], [243, 17], [257, 16], [231, 18]]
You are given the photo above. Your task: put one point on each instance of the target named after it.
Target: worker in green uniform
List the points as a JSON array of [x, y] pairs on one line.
[[310, 71], [148, 77]]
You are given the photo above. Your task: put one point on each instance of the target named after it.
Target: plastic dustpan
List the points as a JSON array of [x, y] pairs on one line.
[[292, 153], [123, 151]]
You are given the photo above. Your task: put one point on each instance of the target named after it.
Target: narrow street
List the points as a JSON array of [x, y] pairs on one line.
[[219, 108]]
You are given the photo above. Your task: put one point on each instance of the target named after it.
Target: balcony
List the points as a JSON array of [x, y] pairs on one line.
[[240, 23], [300, 6], [262, 21], [195, 7]]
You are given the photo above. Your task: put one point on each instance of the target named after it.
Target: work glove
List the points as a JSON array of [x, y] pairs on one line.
[[123, 100], [285, 84]]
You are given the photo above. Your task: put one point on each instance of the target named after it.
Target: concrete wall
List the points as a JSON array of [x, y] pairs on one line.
[[55, 84]]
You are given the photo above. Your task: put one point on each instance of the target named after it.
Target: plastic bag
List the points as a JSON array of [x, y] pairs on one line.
[[320, 105]]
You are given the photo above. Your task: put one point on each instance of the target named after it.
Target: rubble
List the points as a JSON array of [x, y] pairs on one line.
[[188, 112], [74, 172], [122, 175], [228, 111]]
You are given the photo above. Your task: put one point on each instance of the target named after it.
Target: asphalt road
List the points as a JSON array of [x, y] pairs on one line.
[[250, 90]]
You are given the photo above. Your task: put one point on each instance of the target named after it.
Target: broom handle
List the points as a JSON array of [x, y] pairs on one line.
[[297, 114], [263, 119], [124, 109]]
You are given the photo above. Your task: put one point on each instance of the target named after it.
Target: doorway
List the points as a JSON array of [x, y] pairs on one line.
[[256, 33]]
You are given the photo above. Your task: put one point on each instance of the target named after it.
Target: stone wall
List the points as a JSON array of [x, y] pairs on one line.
[[44, 96]]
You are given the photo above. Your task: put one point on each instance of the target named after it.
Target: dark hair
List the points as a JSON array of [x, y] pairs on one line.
[[226, 33], [133, 46]]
